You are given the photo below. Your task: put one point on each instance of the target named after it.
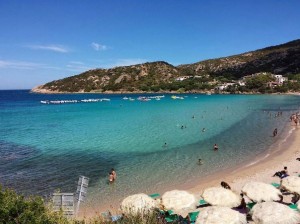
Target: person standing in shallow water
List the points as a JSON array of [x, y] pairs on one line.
[[113, 172], [275, 132], [110, 178], [216, 147]]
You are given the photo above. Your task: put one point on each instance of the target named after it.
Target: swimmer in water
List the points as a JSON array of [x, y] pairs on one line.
[[200, 162]]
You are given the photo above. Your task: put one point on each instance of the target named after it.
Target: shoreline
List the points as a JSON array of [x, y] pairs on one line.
[[37, 90], [262, 167], [281, 153]]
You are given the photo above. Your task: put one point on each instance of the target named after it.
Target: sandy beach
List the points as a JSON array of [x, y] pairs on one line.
[[282, 153]]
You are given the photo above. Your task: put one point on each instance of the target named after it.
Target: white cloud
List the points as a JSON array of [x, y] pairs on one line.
[[99, 47], [52, 47], [19, 64], [7, 64]]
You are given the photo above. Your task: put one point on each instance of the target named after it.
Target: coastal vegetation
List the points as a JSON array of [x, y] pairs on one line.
[[202, 76], [15, 208]]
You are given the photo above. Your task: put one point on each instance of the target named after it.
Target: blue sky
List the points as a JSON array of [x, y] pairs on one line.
[[41, 41]]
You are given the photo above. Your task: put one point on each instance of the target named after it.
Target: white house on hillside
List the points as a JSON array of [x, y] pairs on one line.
[[181, 78], [280, 79], [224, 86]]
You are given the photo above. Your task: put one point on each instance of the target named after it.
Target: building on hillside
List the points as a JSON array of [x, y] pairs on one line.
[[181, 78], [241, 82], [280, 79], [224, 86]]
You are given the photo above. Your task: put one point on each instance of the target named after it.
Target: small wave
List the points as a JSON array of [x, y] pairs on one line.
[[289, 134], [251, 164]]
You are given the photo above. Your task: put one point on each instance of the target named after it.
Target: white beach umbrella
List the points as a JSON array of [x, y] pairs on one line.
[[220, 196], [138, 203], [179, 201], [275, 213], [258, 191], [291, 183], [220, 215]]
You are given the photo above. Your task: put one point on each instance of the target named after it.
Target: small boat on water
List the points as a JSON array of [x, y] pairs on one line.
[[143, 98], [73, 101], [125, 98], [177, 97]]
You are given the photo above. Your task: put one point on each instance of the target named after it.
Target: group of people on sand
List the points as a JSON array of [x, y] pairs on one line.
[[112, 176]]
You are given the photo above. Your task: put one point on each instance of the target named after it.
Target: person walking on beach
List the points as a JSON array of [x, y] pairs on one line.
[[216, 147], [275, 132]]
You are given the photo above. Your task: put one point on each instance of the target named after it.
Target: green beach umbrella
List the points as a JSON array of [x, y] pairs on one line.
[[138, 203], [220, 196], [220, 215], [275, 213]]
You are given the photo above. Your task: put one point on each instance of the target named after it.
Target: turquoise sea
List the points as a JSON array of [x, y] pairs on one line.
[[45, 147]]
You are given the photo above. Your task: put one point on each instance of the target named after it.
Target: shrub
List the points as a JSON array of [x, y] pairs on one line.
[[18, 209]]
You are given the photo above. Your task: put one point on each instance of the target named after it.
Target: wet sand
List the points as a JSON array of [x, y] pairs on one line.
[[282, 153]]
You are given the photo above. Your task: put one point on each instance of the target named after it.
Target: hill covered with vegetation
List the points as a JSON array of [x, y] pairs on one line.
[[205, 75]]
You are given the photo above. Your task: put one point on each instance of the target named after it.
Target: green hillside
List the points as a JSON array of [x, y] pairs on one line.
[[161, 76]]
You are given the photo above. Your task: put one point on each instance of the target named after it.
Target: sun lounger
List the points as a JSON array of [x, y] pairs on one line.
[[192, 216], [294, 207], [154, 196], [275, 185], [170, 218], [250, 205], [202, 202]]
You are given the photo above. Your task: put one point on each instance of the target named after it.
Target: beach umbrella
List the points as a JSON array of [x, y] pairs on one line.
[[220, 196], [275, 213], [291, 183], [258, 191], [179, 201], [138, 203], [220, 215]]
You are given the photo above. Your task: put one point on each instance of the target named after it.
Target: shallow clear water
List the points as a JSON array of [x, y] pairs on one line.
[[46, 147]]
